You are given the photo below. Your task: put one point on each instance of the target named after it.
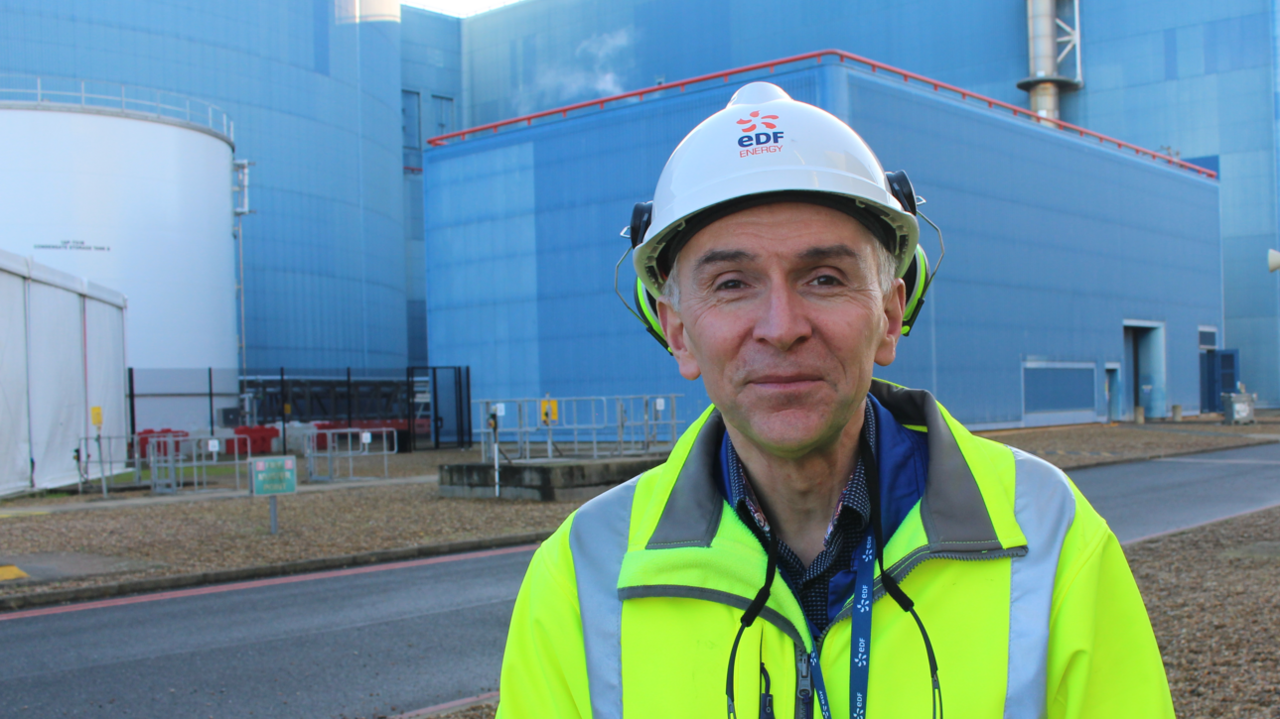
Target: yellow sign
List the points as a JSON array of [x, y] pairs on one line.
[[9, 571], [550, 411], [95, 417]]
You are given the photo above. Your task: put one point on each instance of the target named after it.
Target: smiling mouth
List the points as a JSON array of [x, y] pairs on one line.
[[784, 381]]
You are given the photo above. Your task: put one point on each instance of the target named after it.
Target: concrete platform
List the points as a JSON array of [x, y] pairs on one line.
[[559, 480]]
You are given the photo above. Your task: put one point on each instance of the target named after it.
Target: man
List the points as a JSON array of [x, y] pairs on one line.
[[920, 566]]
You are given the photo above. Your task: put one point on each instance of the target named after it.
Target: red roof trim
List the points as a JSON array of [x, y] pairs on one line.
[[843, 56]]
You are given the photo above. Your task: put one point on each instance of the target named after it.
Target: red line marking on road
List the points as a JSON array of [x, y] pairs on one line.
[[455, 704], [237, 586]]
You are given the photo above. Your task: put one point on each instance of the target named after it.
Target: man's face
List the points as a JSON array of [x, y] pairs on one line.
[[782, 316]]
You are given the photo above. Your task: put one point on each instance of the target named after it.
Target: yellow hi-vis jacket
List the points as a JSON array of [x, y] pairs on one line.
[[631, 607]]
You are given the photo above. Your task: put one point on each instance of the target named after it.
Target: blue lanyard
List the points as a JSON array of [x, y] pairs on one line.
[[860, 629], [859, 639]]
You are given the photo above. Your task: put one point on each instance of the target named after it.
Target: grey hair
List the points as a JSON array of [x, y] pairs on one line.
[[886, 268], [886, 272], [671, 288]]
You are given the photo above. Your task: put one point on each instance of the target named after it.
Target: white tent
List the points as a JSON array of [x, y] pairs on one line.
[[62, 351]]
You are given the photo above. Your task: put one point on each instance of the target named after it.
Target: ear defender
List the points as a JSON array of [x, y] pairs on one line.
[[641, 216], [646, 304], [917, 276], [648, 311], [916, 280]]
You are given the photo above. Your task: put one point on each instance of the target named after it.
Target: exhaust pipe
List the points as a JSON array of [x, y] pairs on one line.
[[1044, 84], [1042, 37]]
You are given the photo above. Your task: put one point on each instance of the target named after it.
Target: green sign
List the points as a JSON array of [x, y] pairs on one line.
[[274, 475]]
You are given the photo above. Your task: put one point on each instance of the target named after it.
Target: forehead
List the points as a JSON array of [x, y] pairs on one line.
[[783, 230]]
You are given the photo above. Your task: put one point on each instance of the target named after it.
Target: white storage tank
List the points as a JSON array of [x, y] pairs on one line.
[[130, 189]]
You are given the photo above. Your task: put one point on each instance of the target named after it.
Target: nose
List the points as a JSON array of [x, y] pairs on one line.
[[782, 322]]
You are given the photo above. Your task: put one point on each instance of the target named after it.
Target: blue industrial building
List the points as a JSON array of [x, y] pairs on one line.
[[314, 90], [368, 248], [1059, 251], [1194, 79]]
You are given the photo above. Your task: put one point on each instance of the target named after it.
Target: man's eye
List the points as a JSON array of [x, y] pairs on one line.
[[730, 285], [826, 280]]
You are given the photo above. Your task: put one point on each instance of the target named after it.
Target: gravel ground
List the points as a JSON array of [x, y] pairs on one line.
[[1213, 600], [230, 533], [1091, 444]]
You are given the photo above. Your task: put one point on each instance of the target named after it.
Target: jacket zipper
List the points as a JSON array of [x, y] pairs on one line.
[[804, 684]]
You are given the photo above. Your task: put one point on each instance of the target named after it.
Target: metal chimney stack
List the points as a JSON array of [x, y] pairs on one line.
[[1043, 40]]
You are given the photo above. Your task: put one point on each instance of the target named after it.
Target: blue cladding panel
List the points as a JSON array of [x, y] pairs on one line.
[[541, 54], [1236, 43], [430, 67], [1058, 389], [1212, 98], [1196, 78], [482, 277], [321, 16], [1053, 243], [316, 103]]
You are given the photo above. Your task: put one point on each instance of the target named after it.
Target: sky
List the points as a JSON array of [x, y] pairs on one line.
[[458, 8]]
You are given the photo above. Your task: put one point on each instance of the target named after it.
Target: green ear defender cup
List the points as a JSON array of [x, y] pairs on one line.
[[917, 282], [648, 310]]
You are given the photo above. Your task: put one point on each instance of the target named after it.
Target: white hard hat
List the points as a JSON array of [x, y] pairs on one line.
[[766, 147]]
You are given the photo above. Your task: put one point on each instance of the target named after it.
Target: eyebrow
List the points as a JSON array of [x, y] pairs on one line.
[[717, 256], [829, 252], [812, 254]]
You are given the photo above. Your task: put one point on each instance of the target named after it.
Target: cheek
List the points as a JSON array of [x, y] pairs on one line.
[[716, 338], [855, 335]]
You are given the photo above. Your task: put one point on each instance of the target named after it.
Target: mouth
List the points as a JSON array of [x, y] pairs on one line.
[[785, 381]]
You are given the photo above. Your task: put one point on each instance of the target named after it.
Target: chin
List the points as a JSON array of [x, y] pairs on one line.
[[792, 432]]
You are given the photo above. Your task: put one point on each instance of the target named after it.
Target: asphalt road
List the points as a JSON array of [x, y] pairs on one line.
[[356, 645], [1142, 499], [398, 638]]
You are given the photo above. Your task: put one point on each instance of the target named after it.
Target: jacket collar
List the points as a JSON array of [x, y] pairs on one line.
[[954, 513]]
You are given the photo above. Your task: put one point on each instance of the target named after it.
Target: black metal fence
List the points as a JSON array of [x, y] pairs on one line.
[[429, 407]]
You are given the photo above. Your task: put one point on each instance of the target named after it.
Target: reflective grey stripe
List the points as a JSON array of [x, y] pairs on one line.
[[598, 540], [1045, 508]]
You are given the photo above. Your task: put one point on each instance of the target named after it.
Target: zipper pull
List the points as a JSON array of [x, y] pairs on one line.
[[804, 682]]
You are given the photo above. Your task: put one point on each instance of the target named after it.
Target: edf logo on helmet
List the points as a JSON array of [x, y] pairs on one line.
[[760, 141]]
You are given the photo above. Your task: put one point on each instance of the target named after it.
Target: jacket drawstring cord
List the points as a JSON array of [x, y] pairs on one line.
[[753, 611]]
